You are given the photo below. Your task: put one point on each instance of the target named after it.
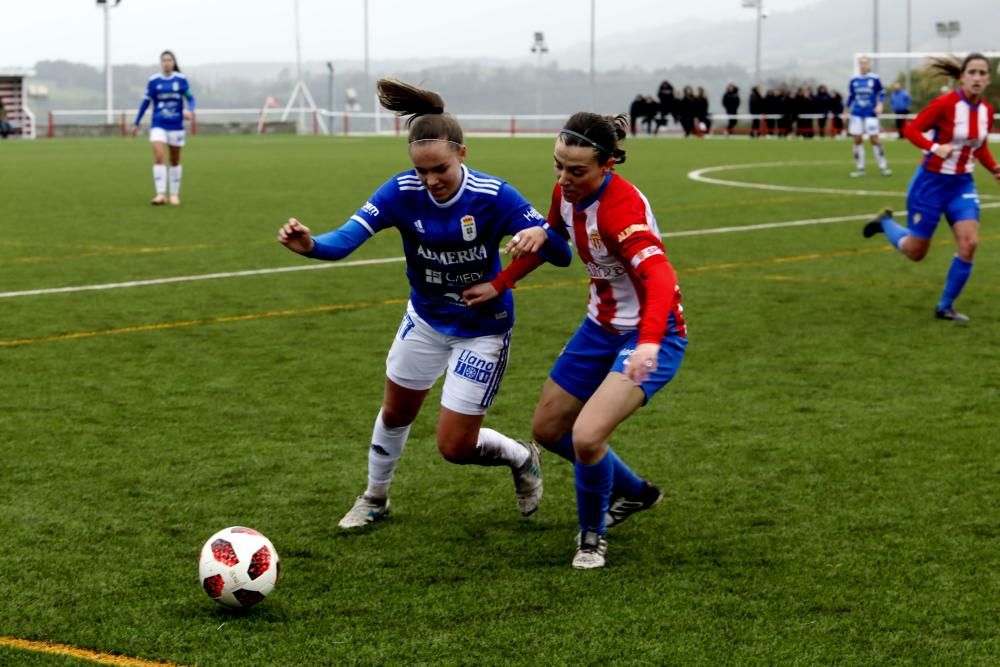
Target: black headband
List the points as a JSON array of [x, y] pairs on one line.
[[587, 139]]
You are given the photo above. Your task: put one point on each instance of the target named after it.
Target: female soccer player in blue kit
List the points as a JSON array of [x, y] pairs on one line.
[[959, 123], [451, 220], [166, 93], [632, 340]]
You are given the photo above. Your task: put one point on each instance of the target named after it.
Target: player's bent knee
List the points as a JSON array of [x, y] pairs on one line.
[[457, 451]]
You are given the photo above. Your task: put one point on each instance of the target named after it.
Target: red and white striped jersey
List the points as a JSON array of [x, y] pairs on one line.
[[951, 119], [632, 285]]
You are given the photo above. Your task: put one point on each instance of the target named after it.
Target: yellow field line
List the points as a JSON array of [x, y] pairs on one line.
[[162, 326], [80, 653], [112, 251]]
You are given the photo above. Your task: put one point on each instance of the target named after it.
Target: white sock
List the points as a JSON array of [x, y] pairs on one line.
[[175, 180], [859, 156], [387, 447], [496, 449], [880, 156], [160, 178]]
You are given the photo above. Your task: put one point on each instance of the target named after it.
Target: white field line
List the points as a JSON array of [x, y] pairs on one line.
[[699, 176], [694, 175], [203, 276]]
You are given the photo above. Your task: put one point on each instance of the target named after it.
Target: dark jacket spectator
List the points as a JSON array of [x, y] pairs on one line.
[[634, 111], [731, 103], [702, 118], [4, 125], [803, 111], [821, 103], [686, 111], [756, 105], [665, 95], [837, 113]]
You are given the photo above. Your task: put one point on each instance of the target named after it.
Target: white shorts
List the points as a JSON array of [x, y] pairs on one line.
[[420, 355], [168, 137], [858, 125]]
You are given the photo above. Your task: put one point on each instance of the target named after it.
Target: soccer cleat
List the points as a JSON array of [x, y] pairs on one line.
[[365, 511], [950, 314], [591, 550], [873, 227], [885, 171], [857, 173], [622, 507], [158, 200], [175, 200], [528, 481]]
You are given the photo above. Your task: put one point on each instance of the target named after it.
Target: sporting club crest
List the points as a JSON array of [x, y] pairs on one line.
[[468, 228]]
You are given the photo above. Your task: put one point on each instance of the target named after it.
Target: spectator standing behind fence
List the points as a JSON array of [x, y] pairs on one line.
[[772, 107], [685, 110], [703, 120], [803, 105], [900, 102], [837, 113], [668, 102], [821, 106], [756, 105], [634, 111], [4, 125], [731, 103]]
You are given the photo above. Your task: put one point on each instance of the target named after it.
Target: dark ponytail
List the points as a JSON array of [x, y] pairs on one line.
[[425, 108], [953, 69], [602, 133]]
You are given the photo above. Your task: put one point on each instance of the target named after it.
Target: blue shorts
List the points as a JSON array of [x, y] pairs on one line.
[[932, 194], [592, 353]]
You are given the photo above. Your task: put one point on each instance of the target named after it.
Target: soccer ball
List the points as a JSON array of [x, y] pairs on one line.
[[238, 567]]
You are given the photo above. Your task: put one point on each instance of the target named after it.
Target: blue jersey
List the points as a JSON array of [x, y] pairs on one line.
[[449, 246], [166, 94], [864, 92]]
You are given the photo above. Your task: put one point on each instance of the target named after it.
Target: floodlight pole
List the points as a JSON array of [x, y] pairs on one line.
[[108, 89], [875, 29], [760, 24], [364, 89], [593, 21], [909, 47]]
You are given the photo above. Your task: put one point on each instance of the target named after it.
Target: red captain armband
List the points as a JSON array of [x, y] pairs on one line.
[[517, 269]]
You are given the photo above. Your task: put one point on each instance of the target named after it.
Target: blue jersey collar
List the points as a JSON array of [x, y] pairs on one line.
[[587, 201], [458, 193]]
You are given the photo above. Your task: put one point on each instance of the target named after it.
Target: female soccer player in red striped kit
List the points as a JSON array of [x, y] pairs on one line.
[[958, 123], [632, 340]]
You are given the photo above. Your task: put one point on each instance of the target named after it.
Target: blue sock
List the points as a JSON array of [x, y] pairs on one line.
[[564, 448], [627, 483], [593, 490], [958, 274], [894, 231]]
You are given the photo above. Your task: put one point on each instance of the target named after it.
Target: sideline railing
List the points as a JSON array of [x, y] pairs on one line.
[[87, 122]]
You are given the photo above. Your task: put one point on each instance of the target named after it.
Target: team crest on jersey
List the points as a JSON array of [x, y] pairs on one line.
[[917, 218], [177, 86], [595, 242], [468, 228]]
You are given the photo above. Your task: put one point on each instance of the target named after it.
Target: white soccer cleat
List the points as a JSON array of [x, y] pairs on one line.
[[175, 200], [591, 551], [885, 171], [858, 173], [158, 200], [365, 511], [528, 481]]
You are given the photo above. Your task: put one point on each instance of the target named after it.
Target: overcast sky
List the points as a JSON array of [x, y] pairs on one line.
[[212, 31]]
